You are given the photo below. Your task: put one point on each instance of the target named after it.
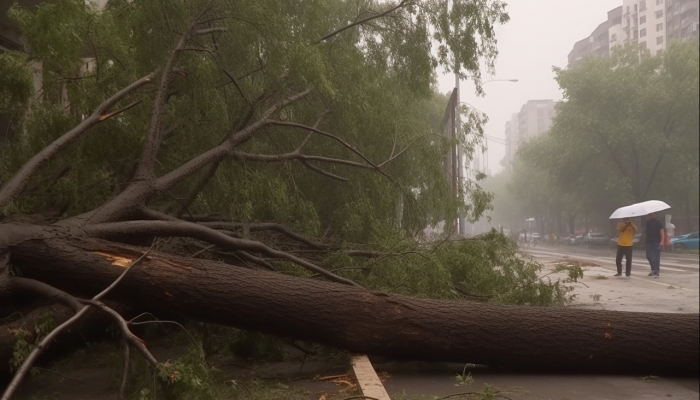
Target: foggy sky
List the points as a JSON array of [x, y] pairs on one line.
[[540, 34]]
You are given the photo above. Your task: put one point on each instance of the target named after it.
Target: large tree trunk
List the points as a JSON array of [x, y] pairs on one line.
[[375, 323]]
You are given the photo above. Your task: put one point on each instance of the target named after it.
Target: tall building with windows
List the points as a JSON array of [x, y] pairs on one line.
[[599, 42], [535, 117], [649, 23], [682, 19], [644, 23]]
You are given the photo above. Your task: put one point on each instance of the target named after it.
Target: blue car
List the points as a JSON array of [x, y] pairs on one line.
[[687, 241]]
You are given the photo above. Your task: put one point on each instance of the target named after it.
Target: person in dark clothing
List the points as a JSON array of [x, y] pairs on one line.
[[654, 230]]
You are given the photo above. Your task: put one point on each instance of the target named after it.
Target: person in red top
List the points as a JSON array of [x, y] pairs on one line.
[[624, 246]]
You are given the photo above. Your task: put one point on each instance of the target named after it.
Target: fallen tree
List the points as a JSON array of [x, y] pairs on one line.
[[372, 322], [160, 177]]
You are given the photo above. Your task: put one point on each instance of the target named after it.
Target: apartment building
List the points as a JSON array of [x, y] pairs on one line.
[[644, 23], [650, 24], [534, 118], [653, 23], [609, 33], [682, 19]]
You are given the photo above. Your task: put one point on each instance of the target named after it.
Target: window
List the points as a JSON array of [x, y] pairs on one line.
[[642, 32], [659, 40], [635, 8], [642, 5], [643, 45], [642, 19], [613, 37], [659, 27], [659, 14], [659, 2]]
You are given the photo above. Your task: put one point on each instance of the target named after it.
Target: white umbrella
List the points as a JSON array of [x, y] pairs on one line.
[[639, 209]]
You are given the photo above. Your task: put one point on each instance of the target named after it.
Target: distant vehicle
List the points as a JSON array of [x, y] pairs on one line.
[[685, 235], [564, 239], [636, 241], [536, 236], [575, 240], [596, 239], [687, 241]]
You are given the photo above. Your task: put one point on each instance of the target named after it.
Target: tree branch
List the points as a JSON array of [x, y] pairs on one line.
[[266, 227], [145, 169], [341, 141], [119, 111], [240, 123], [16, 185], [128, 336], [207, 31], [325, 173], [362, 21], [39, 348], [48, 291], [217, 153], [196, 231], [238, 87]]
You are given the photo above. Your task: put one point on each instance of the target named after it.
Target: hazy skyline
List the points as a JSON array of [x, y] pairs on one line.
[[539, 35]]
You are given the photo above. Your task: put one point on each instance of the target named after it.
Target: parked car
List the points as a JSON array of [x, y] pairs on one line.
[[596, 239], [687, 241], [636, 241], [575, 240], [686, 235], [564, 239]]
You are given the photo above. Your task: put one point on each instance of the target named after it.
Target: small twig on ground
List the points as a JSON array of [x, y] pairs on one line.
[[58, 373], [471, 393]]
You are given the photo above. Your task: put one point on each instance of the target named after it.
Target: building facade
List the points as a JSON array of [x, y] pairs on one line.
[[535, 117], [608, 34], [651, 24]]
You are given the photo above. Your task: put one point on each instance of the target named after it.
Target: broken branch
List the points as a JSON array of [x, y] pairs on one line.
[[16, 185]]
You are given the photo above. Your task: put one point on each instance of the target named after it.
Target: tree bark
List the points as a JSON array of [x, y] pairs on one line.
[[371, 322]]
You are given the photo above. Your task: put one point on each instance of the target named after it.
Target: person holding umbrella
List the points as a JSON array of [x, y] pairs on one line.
[[624, 245], [654, 230]]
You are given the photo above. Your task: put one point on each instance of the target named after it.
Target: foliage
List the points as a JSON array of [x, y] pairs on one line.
[[15, 81], [25, 340], [488, 267], [377, 83]]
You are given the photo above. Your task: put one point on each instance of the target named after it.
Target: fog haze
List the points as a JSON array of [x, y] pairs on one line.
[[539, 35]]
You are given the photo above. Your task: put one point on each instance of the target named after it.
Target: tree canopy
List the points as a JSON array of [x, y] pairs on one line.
[[626, 131], [360, 71]]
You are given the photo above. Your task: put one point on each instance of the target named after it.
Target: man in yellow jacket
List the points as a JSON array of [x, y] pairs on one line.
[[624, 245]]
